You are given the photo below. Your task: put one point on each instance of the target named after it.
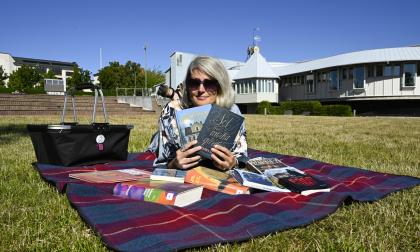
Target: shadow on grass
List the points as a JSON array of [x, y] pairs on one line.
[[12, 132]]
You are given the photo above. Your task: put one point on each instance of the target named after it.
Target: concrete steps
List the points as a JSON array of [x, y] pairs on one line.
[[43, 104]]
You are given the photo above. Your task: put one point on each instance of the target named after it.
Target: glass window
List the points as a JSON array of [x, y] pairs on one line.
[[409, 75], [350, 73], [310, 85], [370, 71], [344, 74], [379, 70], [333, 81], [397, 70], [387, 71], [359, 77]]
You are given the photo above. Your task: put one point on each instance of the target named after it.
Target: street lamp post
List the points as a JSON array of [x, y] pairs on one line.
[[145, 67]]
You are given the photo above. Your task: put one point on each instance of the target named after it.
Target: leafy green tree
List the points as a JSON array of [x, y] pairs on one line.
[[24, 79], [129, 75], [79, 76], [3, 76]]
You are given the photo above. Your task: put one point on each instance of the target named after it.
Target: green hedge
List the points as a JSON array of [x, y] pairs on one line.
[[304, 107]]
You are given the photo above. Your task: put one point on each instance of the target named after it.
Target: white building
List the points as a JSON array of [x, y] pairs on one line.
[[61, 69], [378, 81]]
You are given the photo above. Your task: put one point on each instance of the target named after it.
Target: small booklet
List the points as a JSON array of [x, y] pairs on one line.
[[261, 164], [215, 180], [171, 175], [257, 181], [161, 192], [111, 176]]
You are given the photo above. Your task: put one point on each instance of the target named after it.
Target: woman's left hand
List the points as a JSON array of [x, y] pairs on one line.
[[223, 158]]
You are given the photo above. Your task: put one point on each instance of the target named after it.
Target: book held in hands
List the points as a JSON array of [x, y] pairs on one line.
[[161, 192], [190, 121], [111, 176], [171, 175], [209, 125]]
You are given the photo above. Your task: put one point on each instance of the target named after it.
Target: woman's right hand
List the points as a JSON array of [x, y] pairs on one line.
[[185, 157]]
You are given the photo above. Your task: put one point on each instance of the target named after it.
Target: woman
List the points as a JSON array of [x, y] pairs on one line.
[[207, 82]]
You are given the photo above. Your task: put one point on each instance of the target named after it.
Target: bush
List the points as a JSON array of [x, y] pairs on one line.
[[303, 107], [335, 110], [264, 105], [5, 90], [299, 107]]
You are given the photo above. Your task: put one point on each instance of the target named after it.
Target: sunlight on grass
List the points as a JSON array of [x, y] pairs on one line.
[[34, 216]]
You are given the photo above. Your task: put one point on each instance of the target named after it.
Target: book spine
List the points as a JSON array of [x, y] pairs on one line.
[[129, 191]]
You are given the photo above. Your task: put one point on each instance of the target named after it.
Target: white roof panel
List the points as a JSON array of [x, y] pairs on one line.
[[256, 67], [360, 57]]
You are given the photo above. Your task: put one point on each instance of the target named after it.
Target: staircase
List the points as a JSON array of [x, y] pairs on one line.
[[42, 104]]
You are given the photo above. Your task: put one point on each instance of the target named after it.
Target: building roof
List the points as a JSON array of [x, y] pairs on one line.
[[21, 60], [352, 58], [255, 67]]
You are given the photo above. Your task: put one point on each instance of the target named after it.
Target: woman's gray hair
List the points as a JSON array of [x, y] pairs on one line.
[[215, 69]]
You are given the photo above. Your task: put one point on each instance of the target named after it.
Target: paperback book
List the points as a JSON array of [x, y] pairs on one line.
[[161, 192], [190, 121], [297, 180], [111, 176], [171, 175], [257, 181], [215, 180], [261, 164], [221, 127]]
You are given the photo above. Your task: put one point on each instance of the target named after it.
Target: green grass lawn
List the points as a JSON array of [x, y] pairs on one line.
[[33, 216]]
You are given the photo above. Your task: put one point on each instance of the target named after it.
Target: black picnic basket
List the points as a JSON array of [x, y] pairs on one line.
[[69, 144]]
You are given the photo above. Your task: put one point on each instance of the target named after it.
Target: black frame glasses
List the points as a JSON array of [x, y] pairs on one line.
[[210, 85]]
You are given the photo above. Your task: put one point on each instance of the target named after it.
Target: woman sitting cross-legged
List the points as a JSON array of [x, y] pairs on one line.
[[207, 82]]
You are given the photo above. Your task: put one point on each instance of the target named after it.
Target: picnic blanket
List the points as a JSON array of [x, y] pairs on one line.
[[130, 225]]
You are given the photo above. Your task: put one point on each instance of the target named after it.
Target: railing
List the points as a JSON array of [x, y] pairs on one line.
[[136, 97]]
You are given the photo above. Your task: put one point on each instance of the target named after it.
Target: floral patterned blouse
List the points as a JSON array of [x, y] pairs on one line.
[[167, 141]]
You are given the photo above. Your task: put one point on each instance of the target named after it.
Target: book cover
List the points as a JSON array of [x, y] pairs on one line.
[[297, 180], [111, 176], [161, 192], [257, 181], [261, 164], [172, 175], [190, 121], [215, 180], [221, 127]]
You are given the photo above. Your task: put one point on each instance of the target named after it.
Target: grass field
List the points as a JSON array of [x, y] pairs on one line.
[[33, 216]]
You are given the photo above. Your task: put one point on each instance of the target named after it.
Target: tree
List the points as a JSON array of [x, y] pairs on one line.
[[129, 75], [24, 79], [79, 76], [3, 76]]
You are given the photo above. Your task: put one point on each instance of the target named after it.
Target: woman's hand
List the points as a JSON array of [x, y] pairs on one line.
[[185, 157], [223, 158]]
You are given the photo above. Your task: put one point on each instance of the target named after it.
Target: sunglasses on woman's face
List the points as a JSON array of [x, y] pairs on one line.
[[209, 85]]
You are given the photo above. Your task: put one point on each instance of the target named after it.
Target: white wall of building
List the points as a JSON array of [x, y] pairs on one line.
[[7, 63]]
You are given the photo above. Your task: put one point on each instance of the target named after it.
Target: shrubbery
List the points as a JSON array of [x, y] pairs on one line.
[[304, 107]]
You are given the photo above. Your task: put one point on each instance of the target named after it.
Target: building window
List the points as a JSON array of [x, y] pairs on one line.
[[333, 80], [370, 71], [379, 70], [179, 60], [359, 77], [344, 75], [397, 70], [388, 71], [350, 73], [409, 75], [310, 85]]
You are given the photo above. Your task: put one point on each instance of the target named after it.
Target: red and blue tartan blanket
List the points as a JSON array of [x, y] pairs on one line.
[[130, 225]]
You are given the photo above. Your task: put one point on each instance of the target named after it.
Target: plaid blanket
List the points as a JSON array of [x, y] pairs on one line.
[[130, 225]]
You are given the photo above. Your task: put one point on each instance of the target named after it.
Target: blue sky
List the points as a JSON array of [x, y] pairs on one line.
[[290, 30]]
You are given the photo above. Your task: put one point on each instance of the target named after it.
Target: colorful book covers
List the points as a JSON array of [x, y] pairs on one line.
[[215, 180], [162, 192]]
